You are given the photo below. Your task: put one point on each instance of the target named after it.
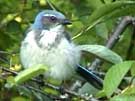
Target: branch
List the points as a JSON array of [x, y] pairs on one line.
[[120, 28], [40, 82], [8, 70], [39, 91]]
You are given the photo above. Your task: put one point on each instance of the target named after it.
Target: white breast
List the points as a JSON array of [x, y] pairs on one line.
[[48, 37], [61, 60]]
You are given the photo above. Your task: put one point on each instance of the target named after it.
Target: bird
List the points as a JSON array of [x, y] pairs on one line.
[[47, 42]]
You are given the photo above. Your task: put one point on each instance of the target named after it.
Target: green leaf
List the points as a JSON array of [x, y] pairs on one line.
[[129, 90], [87, 88], [54, 81], [133, 70], [102, 30], [100, 13], [29, 73], [13, 27], [127, 10], [108, 1], [10, 82], [51, 91], [101, 94], [102, 52], [24, 91], [20, 98], [123, 98], [128, 94], [95, 3], [115, 75]]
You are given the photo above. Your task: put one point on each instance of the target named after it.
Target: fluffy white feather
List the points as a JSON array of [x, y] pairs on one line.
[[61, 60]]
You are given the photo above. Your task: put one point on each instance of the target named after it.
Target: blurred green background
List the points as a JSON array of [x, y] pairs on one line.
[[17, 15]]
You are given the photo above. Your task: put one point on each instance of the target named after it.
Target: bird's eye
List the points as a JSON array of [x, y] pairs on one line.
[[53, 18]]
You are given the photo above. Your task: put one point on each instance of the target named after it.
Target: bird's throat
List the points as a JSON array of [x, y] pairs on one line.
[[48, 39]]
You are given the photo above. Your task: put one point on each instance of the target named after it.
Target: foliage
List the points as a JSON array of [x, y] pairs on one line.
[[93, 20]]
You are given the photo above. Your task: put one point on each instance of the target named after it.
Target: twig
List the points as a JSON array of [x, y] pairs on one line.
[[119, 31], [40, 91], [114, 38], [4, 52], [63, 90], [40, 82], [8, 70], [100, 74]]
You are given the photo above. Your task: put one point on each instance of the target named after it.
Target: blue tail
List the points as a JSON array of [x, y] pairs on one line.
[[92, 78]]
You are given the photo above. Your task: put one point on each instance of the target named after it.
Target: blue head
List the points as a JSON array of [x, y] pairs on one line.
[[48, 19]]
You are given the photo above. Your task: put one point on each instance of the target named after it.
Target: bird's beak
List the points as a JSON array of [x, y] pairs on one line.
[[66, 22]]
